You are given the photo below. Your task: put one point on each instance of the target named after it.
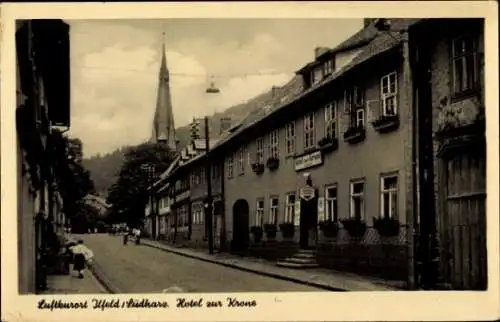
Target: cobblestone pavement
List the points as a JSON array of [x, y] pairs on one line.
[[141, 269]]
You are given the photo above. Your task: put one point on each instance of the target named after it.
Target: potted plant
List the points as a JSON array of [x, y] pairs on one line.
[[386, 226], [355, 227], [258, 168], [328, 144], [355, 134], [257, 233], [287, 229], [270, 230], [329, 228], [273, 163], [386, 123]]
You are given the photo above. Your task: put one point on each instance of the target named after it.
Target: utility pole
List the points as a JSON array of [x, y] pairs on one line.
[[209, 204]]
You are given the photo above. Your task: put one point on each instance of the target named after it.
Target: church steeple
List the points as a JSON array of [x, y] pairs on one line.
[[164, 74], [163, 124]]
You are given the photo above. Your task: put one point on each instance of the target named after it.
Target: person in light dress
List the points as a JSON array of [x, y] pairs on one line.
[[82, 257]]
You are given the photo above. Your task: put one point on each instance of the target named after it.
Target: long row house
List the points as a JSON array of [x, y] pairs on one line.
[[370, 160]]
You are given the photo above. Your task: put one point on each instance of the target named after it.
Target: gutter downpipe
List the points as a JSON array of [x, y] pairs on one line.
[[412, 215]]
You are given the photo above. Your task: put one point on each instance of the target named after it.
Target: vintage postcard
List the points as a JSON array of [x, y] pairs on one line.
[[265, 161]]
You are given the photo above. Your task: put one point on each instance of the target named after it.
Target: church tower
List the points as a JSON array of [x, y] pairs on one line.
[[163, 123]]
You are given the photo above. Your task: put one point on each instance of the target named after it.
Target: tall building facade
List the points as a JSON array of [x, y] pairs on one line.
[[163, 123]]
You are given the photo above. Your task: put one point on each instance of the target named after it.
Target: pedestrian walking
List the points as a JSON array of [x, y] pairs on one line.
[[82, 257], [137, 235]]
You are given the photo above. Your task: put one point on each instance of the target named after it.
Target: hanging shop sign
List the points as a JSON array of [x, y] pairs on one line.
[[307, 192], [308, 160]]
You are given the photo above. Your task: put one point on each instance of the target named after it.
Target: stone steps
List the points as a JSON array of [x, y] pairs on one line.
[[302, 259]]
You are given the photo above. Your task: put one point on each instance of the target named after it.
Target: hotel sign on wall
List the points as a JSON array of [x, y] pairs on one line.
[[308, 160]]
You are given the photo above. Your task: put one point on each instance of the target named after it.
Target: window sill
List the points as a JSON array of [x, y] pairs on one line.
[[328, 146], [385, 124], [354, 135], [457, 97]]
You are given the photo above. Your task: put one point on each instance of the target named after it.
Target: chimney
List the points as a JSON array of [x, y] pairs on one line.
[[318, 51], [225, 124], [368, 21], [274, 91]]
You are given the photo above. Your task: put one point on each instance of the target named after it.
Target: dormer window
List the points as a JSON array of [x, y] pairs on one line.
[[328, 67], [316, 75]]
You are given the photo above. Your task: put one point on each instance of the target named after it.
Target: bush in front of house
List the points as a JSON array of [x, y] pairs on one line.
[[355, 227], [270, 230], [386, 226], [257, 233], [287, 229], [329, 228]]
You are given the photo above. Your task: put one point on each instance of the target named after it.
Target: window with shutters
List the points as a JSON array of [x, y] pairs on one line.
[[389, 196], [331, 203], [309, 132], [273, 210], [465, 64], [354, 105], [259, 213], [357, 192], [388, 94], [203, 176], [230, 166], [290, 138], [260, 150], [198, 214], [331, 124], [242, 160], [274, 144], [290, 208]]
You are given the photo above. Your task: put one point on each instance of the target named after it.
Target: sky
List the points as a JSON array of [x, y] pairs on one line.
[[115, 66]]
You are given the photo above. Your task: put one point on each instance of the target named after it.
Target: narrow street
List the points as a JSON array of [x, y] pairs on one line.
[[141, 269]]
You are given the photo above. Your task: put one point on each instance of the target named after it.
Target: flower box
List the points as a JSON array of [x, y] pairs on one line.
[[287, 230], [258, 168], [355, 135], [327, 144], [355, 227], [273, 163], [270, 230], [386, 124], [257, 233], [386, 226], [329, 228]]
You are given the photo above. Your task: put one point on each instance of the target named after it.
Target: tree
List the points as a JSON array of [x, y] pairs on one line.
[[72, 178], [128, 195]]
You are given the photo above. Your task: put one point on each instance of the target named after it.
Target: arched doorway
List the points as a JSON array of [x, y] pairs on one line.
[[241, 228]]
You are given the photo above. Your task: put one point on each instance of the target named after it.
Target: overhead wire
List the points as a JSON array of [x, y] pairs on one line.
[[211, 75]]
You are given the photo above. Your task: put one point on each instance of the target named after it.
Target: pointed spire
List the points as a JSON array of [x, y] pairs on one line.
[[163, 123], [164, 74]]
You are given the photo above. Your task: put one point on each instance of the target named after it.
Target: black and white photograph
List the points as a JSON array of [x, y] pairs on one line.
[[225, 155]]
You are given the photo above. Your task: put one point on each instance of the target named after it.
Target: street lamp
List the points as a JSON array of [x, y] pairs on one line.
[[209, 202], [149, 170]]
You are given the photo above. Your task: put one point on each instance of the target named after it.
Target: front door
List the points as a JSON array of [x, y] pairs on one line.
[[308, 222], [240, 225]]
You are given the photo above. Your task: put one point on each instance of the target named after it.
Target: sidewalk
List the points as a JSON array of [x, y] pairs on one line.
[[322, 278], [70, 284]]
